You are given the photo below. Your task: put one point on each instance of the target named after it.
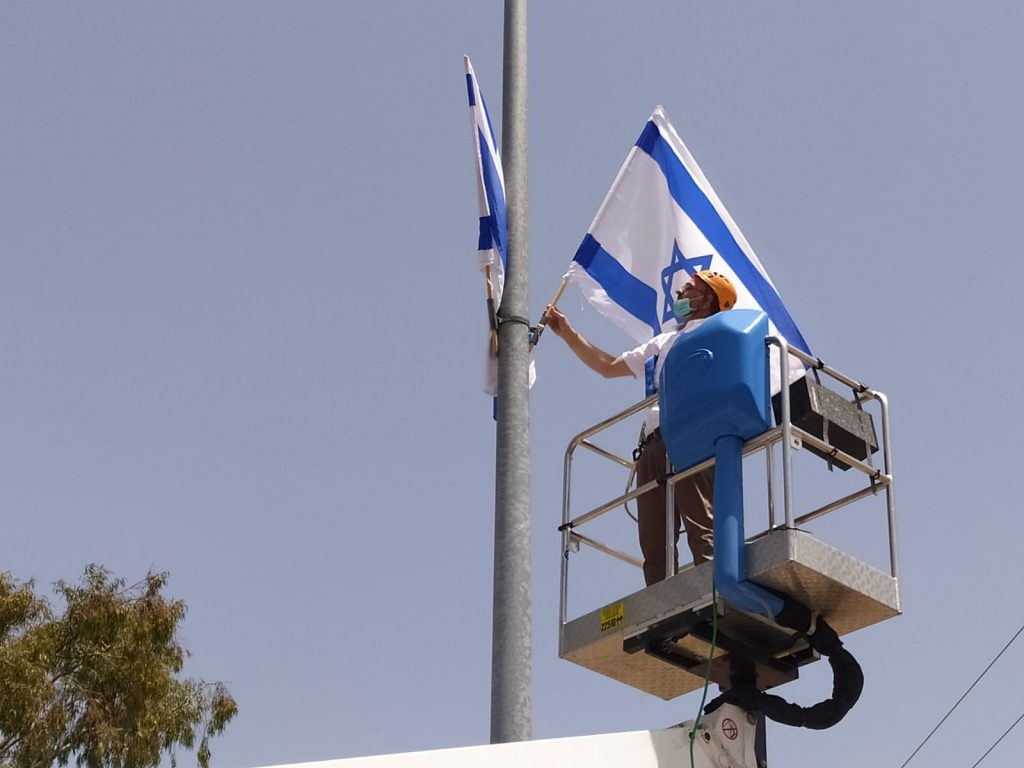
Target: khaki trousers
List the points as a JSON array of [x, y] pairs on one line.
[[693, 498]]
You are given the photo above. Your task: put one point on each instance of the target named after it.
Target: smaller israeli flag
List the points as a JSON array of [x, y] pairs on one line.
[[493, 239], [490, 185], [660, 223], [491, 204]]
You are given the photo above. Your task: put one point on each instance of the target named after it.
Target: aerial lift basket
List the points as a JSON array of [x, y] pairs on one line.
[[658, 639]]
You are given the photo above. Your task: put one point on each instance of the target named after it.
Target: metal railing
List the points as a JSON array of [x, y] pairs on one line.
[[788, 434]]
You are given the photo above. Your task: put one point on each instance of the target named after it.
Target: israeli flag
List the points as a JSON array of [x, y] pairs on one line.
[[660, 223], [493, 239], [490, 185]]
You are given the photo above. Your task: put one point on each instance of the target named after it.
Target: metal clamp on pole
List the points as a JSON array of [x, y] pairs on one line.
[[502, 319], [538, 329], [543, 322], [492, 316]]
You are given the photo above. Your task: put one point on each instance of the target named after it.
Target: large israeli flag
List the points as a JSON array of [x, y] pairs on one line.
[[661, 222], [493, 238]]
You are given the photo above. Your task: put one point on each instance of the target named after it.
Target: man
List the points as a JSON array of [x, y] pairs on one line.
[[704, 294]]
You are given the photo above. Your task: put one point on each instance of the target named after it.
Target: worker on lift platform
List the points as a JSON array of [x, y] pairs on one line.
[[703, 295]]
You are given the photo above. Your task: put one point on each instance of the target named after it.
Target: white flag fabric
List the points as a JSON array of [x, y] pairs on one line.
[[493, 239], [660, 223]]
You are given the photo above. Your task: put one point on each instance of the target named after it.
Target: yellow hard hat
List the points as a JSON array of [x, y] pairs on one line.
[[721, 285]]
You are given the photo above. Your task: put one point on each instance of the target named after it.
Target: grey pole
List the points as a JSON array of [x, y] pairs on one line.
[[511, 704]]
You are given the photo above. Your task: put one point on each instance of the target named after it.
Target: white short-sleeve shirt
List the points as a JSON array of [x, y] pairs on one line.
[[635, 359]]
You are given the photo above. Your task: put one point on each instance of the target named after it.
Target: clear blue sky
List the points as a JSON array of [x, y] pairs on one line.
[[241, 326]]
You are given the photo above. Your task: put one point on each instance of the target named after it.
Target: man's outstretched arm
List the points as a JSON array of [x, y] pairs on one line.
[[596, 359]]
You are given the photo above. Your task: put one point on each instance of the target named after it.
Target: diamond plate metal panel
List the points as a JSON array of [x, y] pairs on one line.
[[847, 592]]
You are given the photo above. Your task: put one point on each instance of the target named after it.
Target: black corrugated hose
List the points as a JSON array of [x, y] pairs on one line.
[[847, 679]]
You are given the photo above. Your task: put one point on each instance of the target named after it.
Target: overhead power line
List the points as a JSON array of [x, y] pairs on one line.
[[998, 740], [944, 717]]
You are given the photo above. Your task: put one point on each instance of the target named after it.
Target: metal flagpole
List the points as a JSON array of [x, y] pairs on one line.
[[511, 704]]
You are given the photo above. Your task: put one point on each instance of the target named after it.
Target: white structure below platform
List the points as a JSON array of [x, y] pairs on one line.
[[725, 739]]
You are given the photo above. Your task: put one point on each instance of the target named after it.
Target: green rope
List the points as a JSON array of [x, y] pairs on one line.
[[707, 674]]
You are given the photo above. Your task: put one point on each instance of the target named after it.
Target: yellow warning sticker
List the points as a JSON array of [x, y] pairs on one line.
[[612, 615]]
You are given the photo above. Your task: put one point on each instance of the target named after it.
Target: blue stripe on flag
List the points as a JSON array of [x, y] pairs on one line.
[[486, 241], [495, 199], [648, 137], [634, 296], [469, 87], [694, 202]]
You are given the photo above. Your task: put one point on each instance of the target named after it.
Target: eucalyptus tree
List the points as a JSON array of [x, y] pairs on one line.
[[97, 679]]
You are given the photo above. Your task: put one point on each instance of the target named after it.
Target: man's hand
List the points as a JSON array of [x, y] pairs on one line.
[[557, 322]]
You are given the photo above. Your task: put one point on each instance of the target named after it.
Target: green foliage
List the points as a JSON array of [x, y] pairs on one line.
[[99, 684]]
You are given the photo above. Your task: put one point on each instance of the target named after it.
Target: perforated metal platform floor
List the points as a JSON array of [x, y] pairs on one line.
[[848, 593]]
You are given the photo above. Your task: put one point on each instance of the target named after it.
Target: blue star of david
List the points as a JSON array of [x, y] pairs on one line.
[[678, 263]]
